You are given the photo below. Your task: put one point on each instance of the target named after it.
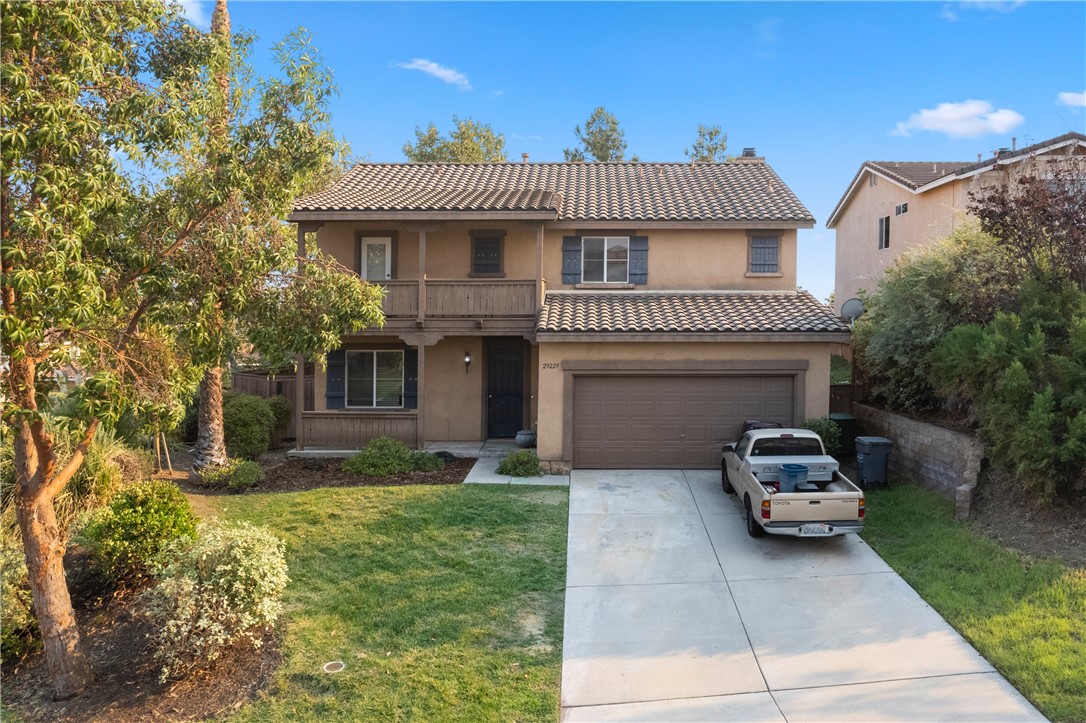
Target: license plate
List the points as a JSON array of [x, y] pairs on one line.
[[813, 529]]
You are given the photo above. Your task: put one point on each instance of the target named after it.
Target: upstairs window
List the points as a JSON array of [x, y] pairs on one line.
[[901, 208], [884, 232], [605, 259], [765, 254], [486, 254]]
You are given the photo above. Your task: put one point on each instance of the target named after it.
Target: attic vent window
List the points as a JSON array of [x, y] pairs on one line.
[[872, 179], [901, 208]]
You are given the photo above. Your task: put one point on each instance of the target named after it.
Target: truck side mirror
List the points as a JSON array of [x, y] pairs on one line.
[[729, 447]]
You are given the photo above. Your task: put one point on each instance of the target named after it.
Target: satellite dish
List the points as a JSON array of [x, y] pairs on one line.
[[852, 310]]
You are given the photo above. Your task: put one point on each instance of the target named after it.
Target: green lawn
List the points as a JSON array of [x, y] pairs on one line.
[[445, 603], [1026, 616]]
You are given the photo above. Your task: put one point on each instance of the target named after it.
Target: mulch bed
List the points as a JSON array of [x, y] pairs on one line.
[[118, 637]]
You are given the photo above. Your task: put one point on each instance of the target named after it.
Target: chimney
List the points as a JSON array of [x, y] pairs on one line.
[[1014, 143], [748, 153], [523, 157], [979, 157]]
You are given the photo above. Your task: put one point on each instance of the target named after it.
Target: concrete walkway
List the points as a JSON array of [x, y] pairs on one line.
[[674, 614]]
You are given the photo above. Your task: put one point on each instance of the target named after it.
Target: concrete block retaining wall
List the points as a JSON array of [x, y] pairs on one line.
[[945, 461]]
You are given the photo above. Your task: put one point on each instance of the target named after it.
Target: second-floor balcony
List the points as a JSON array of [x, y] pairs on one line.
[[460, 298]]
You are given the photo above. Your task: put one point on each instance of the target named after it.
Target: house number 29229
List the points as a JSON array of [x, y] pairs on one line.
[[550, 365]]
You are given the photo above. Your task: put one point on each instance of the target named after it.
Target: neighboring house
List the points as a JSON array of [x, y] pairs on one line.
[[633, 314], [894, 206]]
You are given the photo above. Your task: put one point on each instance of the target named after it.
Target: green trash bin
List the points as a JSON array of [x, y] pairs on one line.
[[847, 424], [872, 461]]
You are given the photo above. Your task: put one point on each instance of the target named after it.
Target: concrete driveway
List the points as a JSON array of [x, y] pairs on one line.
[[674, 614]]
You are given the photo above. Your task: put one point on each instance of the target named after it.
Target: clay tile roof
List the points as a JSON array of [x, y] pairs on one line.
[[736, 191], [719, 312], [915, 174]]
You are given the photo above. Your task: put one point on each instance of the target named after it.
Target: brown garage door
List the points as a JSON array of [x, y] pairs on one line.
[[670, 421]]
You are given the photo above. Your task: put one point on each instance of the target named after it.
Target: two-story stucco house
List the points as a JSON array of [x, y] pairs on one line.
[[633, 314], [891, 207]]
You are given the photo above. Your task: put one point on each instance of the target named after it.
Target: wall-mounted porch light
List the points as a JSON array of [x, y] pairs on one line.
[[467, 361]]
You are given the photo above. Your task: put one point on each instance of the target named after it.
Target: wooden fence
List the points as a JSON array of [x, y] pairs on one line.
[[263, 384]]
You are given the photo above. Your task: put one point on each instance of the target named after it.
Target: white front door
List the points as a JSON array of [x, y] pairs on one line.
[[376, 259]]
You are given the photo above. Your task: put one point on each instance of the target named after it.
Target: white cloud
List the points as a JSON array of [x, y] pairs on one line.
[[447, 75], [196, 13], [950, 10], [1075, 100], [967, 119]]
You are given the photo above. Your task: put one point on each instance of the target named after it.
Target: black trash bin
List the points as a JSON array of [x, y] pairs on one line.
[[872, 460], [847, 424]]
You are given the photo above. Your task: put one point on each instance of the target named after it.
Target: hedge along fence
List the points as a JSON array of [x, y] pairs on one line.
[[268, 384], [943, 460]]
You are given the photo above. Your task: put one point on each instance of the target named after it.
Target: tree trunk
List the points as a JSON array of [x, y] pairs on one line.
[[210, 440], [43, 549]]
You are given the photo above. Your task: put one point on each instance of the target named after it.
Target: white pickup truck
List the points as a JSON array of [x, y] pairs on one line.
[[777, 500]]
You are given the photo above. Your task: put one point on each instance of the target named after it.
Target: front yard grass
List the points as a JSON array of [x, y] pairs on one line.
[[1026, 616], [444, 603]]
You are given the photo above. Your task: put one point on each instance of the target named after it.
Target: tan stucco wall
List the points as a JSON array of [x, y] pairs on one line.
[[860, 262], [552, 383], [690, 259], [448, 249], [679, 259], [453, 397]]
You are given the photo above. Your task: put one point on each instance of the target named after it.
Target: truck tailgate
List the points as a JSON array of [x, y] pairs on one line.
[[814, 507]]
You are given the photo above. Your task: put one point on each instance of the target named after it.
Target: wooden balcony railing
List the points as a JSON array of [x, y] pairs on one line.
[[469, 297]]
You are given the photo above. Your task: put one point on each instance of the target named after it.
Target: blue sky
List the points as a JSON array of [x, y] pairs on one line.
[[816, 87]]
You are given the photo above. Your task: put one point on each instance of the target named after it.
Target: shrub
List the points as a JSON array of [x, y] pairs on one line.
[[967, 278], [1025, 376], [247, 424], [521, 463], [19, 630], [281, 410], [828, 430], [139, 522], [384, 456], [236, 475], [221, 587]]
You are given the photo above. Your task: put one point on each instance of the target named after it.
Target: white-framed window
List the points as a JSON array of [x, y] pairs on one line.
[[374, 378], [765, 254], [884, 232], [605, 259], [901, 208]]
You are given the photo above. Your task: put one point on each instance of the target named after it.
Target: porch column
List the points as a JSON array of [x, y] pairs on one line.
[[304, 227], [540, 288], [420, 408], [422, 275]]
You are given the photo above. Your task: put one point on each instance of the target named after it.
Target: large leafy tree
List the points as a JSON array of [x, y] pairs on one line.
[[468, 142], [600, 140], [711, 146], [136, 233]]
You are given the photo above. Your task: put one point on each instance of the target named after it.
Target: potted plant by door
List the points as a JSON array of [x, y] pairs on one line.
[[525, 438]]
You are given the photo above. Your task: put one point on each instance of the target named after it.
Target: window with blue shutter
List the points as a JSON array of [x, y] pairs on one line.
[[411, 379], [335, 393], [571, 259], [639, 259]]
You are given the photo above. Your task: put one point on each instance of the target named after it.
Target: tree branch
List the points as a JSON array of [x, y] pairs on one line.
[[56, 484]]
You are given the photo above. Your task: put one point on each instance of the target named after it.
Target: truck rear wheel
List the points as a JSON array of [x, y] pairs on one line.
[[753, 528]]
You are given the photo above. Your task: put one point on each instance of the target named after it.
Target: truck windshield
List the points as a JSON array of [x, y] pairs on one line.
[[795, 447]]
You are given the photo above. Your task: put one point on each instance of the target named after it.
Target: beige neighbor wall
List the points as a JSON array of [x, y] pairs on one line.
[[448, 249], [860, 262], [552, 381], [688, 259]]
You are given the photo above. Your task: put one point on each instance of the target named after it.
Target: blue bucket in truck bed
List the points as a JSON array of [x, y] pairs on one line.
[[792, 475]]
